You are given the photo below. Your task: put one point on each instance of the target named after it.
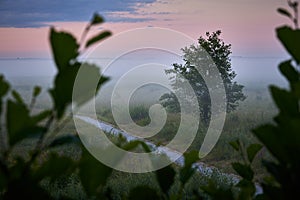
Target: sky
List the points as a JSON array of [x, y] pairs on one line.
[[246, 24]]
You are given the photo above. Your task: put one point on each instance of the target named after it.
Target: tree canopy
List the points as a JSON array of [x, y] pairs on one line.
[[211, 48]]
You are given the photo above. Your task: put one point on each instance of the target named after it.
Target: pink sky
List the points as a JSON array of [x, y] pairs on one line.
[[247, 24]]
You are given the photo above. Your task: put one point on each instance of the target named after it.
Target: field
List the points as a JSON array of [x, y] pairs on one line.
[[255, 110]]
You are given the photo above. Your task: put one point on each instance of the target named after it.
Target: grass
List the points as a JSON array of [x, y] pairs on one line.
[[120, 183], [255, 110]]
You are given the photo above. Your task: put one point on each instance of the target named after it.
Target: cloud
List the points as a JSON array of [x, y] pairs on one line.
[[248, 24], [31, 13]]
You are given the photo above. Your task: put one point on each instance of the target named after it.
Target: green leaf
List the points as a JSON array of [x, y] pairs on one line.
[[97, 19], [25, 188], [17, 97], [165, 178], [185, 174], [63, 87], [247, 189], [252, 150], [272, 140], [131, 145], [143, 192], [64, 48], [63, 140], [244, 171], [88, 83], [285, 101], [277, 172], [98, 37], [23, 185], [41, 116], [216, 192], [55, 167], [235, 144], [296, 89], [36, 91], [187, 171], [15, 171], [290, 39], [19, 124], [291, 74], [92, 173], [190, 158], [260, 197], [146, 147], [134, 144], [3, 178], [4, 87], [284, 12]]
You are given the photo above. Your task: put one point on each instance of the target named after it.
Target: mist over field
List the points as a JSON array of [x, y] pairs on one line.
[[255, 73], [155, 99], [251, 71]]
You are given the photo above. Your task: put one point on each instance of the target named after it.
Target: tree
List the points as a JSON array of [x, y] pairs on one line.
[[29, 174], [281, 137], [219, 53]]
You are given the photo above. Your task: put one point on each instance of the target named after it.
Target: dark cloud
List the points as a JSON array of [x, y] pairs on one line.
[[35, 13]]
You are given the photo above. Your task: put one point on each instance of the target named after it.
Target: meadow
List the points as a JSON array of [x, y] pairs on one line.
[[255, 110], [42, 156]]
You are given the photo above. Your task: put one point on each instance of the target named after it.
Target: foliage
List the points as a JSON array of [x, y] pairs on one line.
[[24, 176], [21, 177], [245, 188], [193, 56], [281, 138]]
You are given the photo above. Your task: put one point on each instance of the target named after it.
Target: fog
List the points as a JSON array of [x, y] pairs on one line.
[[249, 70]]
